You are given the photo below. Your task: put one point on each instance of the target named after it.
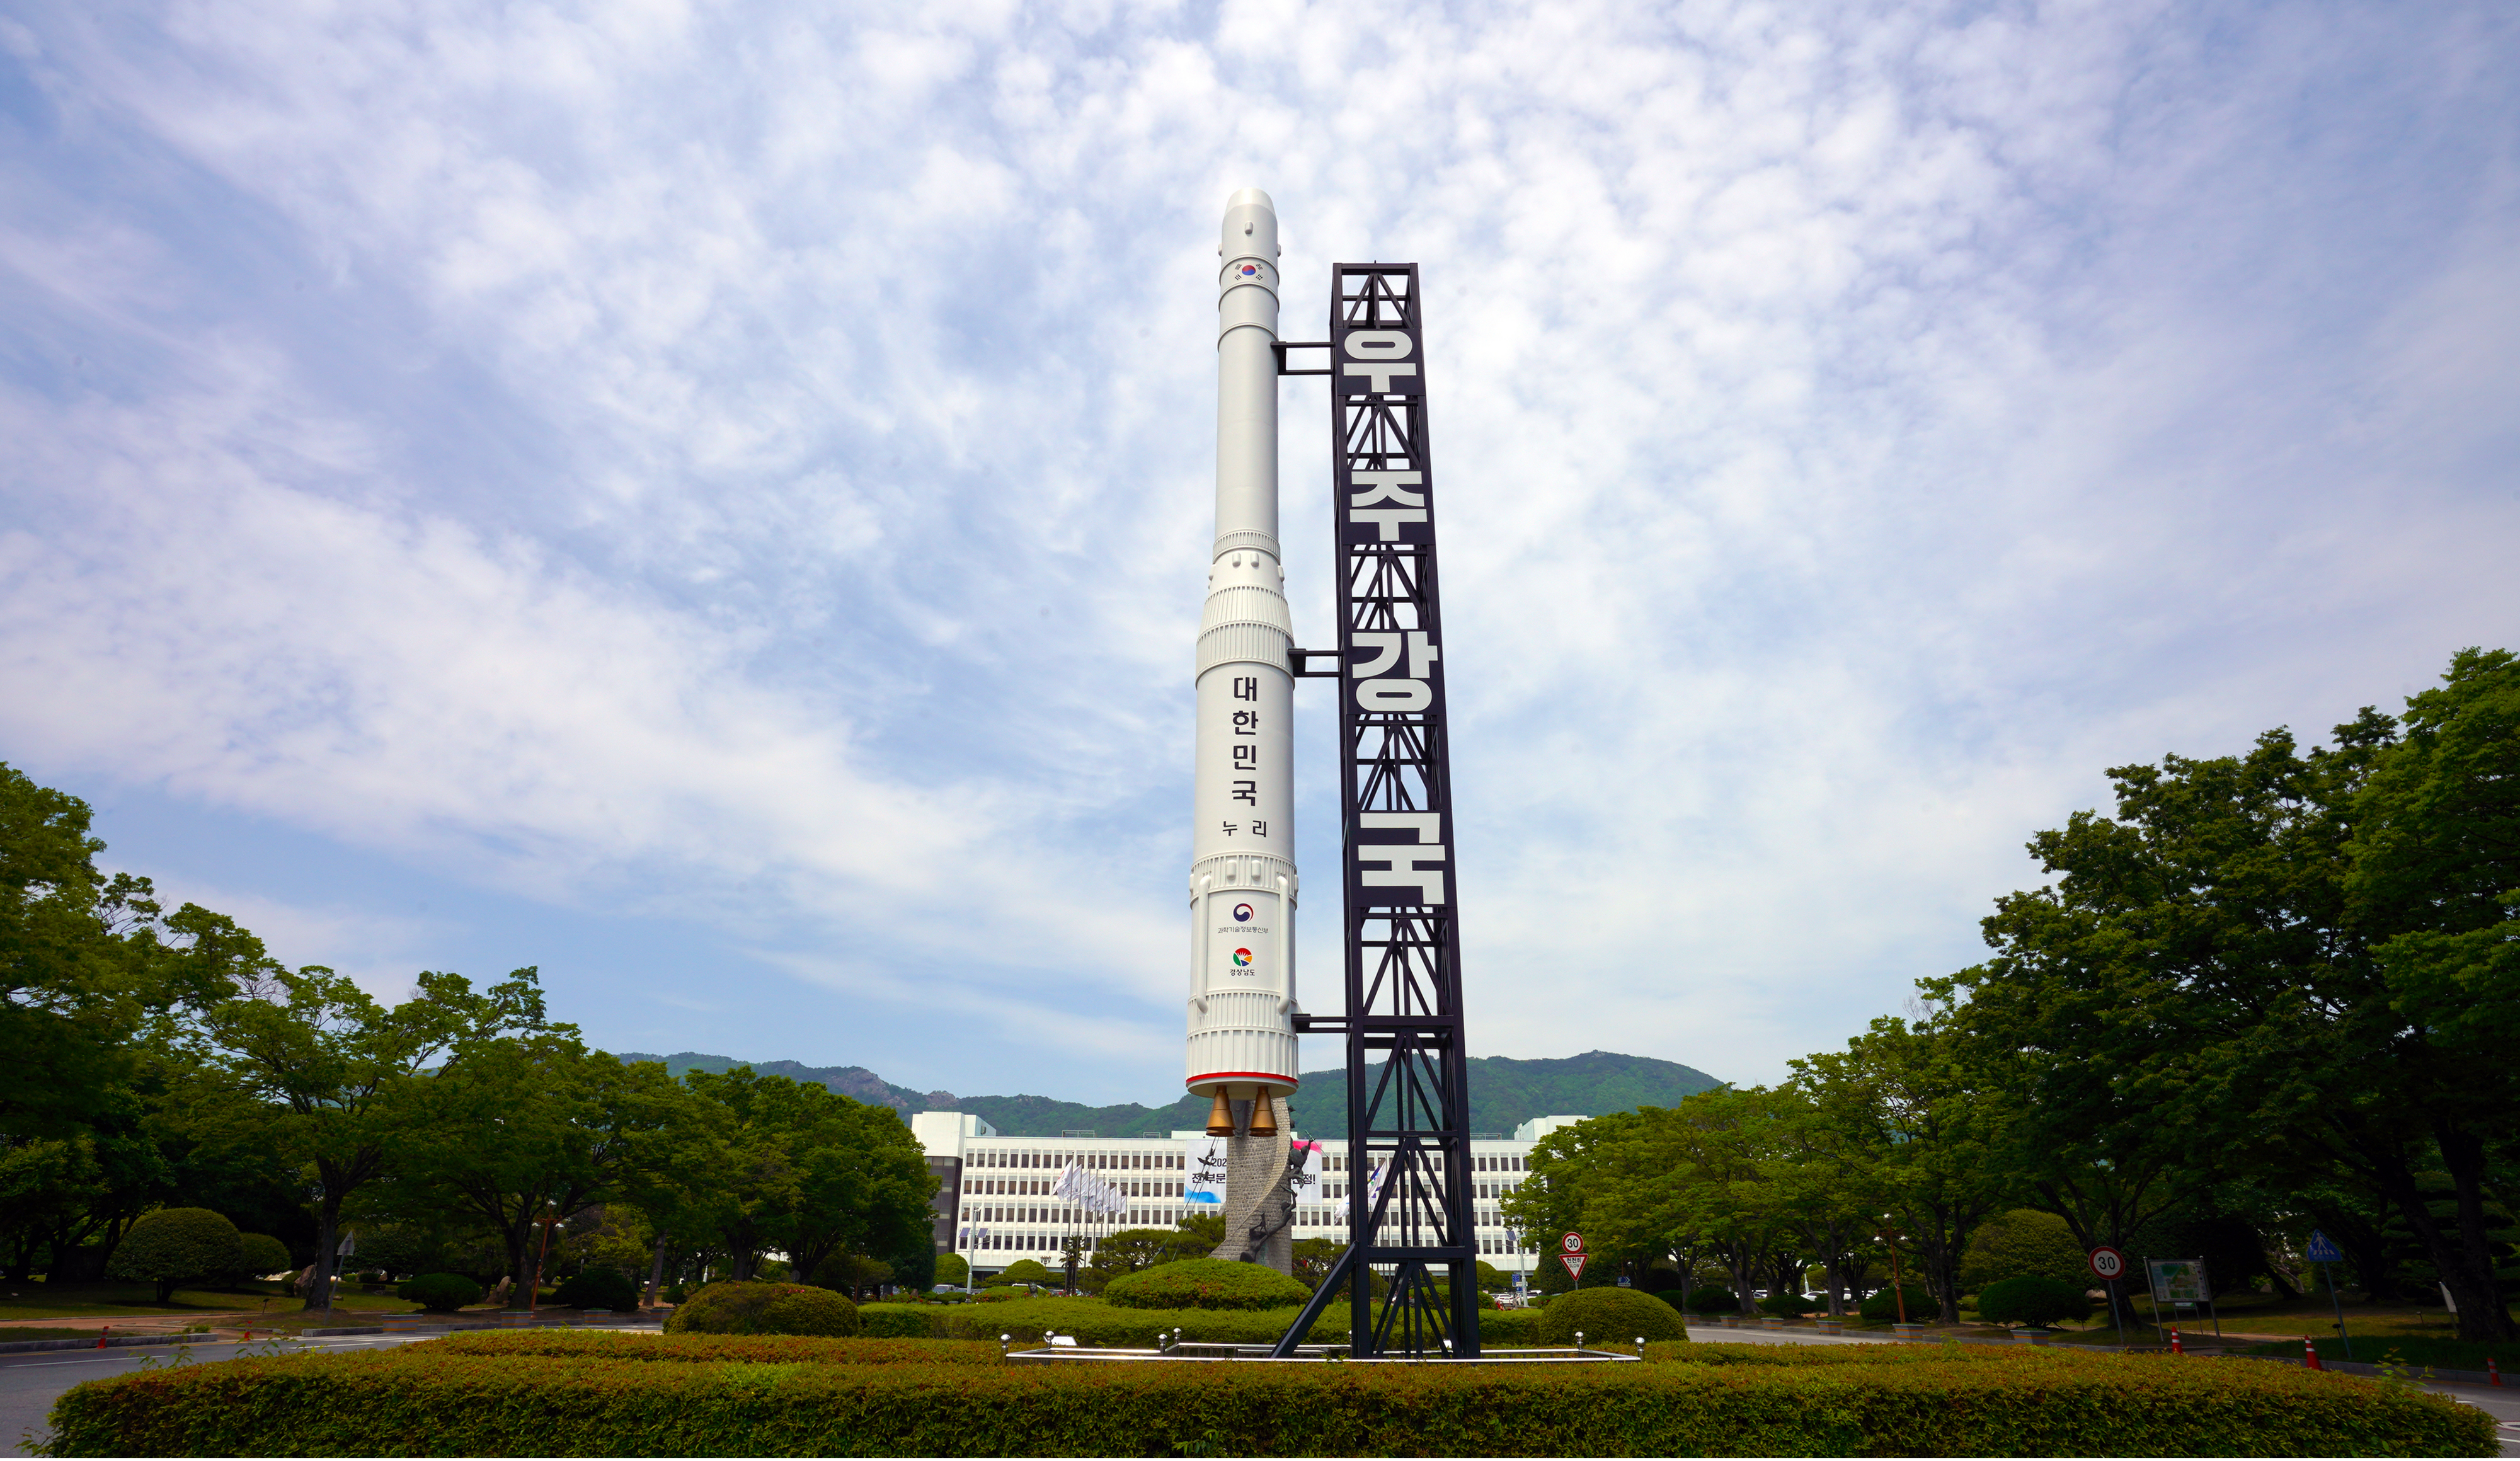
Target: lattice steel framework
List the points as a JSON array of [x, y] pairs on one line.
[[1409, 1117]]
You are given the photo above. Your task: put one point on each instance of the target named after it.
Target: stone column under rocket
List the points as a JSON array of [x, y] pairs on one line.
[[1242, 850]]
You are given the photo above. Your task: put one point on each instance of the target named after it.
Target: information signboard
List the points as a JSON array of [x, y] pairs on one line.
[[2179, 1281]]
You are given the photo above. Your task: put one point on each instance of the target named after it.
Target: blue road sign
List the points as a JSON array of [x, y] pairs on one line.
[[2321, 1250]]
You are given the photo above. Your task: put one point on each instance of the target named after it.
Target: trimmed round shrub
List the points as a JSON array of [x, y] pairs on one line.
[[2021, 1243], [598, 1288], [1023, 1271], [1883, 1308], [261, 1255], [1206, 1283], [764, 1309], [2033, 1299], [812, 1309], [176, 1245], [440, 1293], [1712, 1298], [1786, 1306], [1608, 1316], [900, 1321]]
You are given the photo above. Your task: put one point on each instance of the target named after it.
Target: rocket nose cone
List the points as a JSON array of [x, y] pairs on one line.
[[1252, 197]]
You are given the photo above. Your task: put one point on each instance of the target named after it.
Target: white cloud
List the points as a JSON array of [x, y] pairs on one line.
[[752, 462]]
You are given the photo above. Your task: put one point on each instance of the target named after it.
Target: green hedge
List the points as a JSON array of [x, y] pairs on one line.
[[764, 1309], [714, 1348], [901, 1321], [1206, 1283], [1094, 1322], [425, 1401]]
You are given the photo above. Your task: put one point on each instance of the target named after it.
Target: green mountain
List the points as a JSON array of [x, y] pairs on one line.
[[1503, 1094]]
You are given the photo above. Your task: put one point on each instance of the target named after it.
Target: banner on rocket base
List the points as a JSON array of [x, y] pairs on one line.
[[1203, 1173]]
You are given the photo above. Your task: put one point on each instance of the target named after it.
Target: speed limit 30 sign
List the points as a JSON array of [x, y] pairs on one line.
[[1570, 1251], [2108, 1263]]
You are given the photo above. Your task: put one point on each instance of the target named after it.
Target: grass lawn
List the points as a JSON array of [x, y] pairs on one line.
[[2440, 1353], [41, 1301], [2251, 1321], [2314, 1316]]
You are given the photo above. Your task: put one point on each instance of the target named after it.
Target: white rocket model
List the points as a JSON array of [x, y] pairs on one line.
[[1243, 845]]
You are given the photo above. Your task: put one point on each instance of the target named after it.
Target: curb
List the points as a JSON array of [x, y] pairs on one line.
[[111, 1342]]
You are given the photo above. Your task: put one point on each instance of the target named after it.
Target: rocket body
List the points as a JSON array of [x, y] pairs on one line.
[[1243, 882]]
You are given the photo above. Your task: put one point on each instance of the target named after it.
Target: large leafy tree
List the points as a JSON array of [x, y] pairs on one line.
[[87, 960], [2127, 1013], [512, 1131], [1905, 1122], [317, 1067], [2281, 963], [1690, 1180], [865, 1186], [2433, 886], [794, 1165]]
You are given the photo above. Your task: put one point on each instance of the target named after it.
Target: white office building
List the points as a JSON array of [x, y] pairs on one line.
[[994, 1205]]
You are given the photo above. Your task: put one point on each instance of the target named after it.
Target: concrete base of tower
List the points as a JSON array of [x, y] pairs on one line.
[[1259, 1209]]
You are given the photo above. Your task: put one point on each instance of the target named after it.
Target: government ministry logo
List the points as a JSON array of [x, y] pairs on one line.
[[1243, 913]]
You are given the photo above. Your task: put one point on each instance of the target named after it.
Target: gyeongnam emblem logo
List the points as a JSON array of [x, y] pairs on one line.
[[1242, 958], [1243, 913]]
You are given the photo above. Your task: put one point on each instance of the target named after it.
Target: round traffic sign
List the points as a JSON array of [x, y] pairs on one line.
[[2108, 1262], [1572, 1242]]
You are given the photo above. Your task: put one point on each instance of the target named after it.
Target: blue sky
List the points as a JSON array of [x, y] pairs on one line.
[[712, 500]]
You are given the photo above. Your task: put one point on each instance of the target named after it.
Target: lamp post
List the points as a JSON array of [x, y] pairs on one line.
[[542, 1256], [1898, 1284]]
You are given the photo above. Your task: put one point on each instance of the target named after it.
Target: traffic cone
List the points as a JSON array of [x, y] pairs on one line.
[[2492, 1371], [100, 1332], [2176, 1347], [2310, 1353]]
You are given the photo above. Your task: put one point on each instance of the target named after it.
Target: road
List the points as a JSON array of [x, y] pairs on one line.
[[29, 1382]]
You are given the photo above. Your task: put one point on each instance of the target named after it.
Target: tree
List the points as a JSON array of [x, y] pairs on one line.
[[86, 961], [1659, 1183], [1136, 1250], [796, 1165], [522, 1126], [174, 1245], [2281, 963], [864, 1190], [2433, 883], [1826, 1170], [1906, 1099], [318, 1065]]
